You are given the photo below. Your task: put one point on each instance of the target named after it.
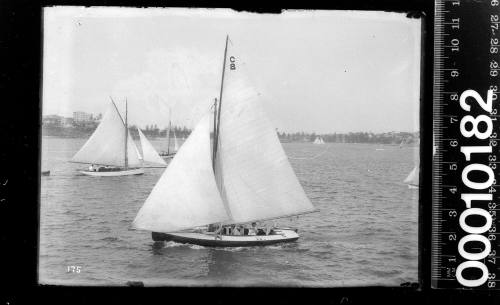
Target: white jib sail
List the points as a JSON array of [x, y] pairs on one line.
[[252, 170], [138, 153], [134, 157], [106, 146], [149, 153], [186, 195]]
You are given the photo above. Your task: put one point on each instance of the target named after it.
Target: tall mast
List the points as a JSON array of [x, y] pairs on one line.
[[169, 127], [126, 135], [216, 135]]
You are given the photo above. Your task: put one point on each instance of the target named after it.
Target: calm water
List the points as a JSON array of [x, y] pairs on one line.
[[364, 234]]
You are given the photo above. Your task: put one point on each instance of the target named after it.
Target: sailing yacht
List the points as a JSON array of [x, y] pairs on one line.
[[243, 177], [318, 140], [149, 154], [402, 143], [412, 178], [170, 154], [110, 149]]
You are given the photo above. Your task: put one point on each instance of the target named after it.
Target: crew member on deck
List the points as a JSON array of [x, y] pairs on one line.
[[253, 229], [235, 230], [218, 232], [268, 229], [211, 227]]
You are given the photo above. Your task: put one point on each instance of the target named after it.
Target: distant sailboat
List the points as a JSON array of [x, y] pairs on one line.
[[319, 140], [402, 143], [110, 149], [149, 154], [170, 153], [244, 177], [412, 178]]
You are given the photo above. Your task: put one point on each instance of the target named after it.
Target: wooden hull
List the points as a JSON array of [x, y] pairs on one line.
[[211, 240], [128, 172]]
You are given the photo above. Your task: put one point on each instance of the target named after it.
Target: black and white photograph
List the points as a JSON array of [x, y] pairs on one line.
[[211, 147]]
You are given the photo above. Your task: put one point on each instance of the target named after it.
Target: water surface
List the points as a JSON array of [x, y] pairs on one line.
[[365, 232]]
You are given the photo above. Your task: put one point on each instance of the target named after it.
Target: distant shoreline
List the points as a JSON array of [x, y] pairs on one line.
[[390, 139], [412, 145]]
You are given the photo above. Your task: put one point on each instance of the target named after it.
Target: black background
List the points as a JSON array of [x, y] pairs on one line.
[[20, 100]]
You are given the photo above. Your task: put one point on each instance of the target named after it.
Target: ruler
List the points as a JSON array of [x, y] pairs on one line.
[[465, 244]]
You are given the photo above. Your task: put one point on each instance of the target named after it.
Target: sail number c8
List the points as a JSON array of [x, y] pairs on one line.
[[476, 204]]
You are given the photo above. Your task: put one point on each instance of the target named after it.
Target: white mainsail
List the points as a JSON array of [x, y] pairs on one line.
[[253, 173], [106, 146], [186, 195], [149, 153]]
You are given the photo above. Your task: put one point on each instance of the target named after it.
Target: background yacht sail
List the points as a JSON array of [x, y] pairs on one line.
[[176, 143], [138, 153], [106, 145], [149, 153], [186, 195], [413, 176], [319, 140], [254, 176]]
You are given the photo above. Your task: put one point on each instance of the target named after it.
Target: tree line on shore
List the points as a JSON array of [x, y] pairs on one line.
[[353, 137], [152, 131], [77, 131]]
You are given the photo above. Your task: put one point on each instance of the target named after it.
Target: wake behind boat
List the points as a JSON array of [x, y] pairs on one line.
[[110, 149], [243, 177]]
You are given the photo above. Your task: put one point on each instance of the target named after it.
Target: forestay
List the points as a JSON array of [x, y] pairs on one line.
[[186, 195], [253, 173], [149, 153], [107, 144]]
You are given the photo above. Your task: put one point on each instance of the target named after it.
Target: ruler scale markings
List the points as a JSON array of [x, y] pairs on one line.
[[466, 57]]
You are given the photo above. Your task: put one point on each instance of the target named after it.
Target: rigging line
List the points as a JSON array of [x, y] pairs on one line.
[[311, 158], [116, 108]]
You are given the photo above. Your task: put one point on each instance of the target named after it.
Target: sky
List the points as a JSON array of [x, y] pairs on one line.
[[316, 71]]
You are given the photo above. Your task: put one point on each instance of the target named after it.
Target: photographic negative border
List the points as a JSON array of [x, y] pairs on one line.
[[21, 41]]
